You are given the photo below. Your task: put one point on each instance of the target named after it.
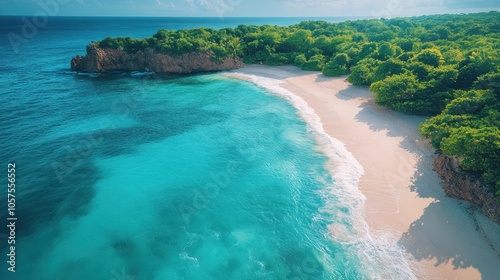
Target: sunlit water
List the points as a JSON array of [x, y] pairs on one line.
[[140, 176]]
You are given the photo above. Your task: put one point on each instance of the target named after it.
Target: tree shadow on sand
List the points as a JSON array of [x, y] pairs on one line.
[[449, 230]]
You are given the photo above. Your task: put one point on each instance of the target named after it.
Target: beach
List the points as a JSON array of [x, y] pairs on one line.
[[442, 238]]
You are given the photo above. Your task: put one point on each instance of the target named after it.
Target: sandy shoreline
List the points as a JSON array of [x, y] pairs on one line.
[[442, 237]]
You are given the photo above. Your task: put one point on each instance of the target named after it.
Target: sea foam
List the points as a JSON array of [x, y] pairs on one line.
[[379, 255]]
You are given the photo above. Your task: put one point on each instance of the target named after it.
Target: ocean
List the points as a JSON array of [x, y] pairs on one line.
[[142, 176]]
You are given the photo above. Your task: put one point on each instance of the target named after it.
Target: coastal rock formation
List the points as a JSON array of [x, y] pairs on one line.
[[466, 186], [99, 60]]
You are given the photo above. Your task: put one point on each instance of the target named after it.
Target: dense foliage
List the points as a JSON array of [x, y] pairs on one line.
[[221, 43], [446, 66]]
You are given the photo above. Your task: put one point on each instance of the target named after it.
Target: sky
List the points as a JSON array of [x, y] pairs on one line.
[[241, 8]]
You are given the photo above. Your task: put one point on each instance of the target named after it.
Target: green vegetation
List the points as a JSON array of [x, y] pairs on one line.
[[469, 128], [221, 43], [444, 66]]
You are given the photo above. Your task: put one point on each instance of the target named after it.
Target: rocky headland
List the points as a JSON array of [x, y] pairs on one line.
[[100, 60], [467, 186]]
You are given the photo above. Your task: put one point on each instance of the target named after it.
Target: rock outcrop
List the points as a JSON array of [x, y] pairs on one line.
[[100, 60], [466, 186]]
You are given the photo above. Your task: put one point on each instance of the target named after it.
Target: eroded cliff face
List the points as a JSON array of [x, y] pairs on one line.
[[100, 60], [463, 185]]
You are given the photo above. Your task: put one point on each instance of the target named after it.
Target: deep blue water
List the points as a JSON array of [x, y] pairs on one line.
[[135, 176]]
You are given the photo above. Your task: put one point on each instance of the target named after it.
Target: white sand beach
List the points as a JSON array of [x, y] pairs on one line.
[[442, 237]]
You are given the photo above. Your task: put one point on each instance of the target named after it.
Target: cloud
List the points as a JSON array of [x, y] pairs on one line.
[[459, 4], [214, 6], [165, 4], [317, 3]]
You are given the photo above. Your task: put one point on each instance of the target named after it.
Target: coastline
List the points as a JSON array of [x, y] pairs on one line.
[[442, 238]]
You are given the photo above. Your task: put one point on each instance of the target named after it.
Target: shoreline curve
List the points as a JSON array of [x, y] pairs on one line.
[[442, 238]]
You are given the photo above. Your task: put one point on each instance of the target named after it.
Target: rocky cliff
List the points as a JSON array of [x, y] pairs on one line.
[[99, 60], [464, 185]]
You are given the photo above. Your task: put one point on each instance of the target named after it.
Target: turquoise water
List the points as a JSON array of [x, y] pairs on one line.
[[139, 176], [200, 178]]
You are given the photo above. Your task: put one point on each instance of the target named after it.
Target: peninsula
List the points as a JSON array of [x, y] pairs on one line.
[[100, 60]]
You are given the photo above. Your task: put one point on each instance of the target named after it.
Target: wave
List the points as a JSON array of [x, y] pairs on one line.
[[139, 73], [379, 256]]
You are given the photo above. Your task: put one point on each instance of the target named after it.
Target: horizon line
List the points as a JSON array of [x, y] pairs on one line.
[[222, 17]]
